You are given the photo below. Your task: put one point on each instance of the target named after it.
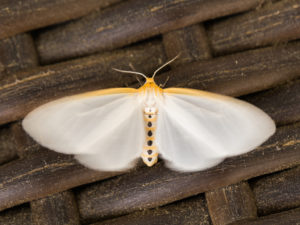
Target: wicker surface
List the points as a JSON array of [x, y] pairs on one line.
[[243, 48]]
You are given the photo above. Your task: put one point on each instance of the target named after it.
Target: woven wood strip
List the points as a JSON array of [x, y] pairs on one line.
[[129, 22], [278, 192], [19, 16], [16, 216], [190, 42], [281, 103], [291, 217], [232, 203], [56, 209], [240, 73], [189, 211], [272, 24], [17, 53], [41, 174], [23, 144], [8, 149]]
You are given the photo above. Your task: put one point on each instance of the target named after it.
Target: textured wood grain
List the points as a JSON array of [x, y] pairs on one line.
[[231, 203], [24, 144], [240, 73], [291, 217], [16, 216], [190, 42], [129, 22], [191, 211], [8, 149], [56, 209], [278, 192], [40, 174], [152, 187], [91, 73], [281, 103], [272, 24], [16, 53], [19, 16]]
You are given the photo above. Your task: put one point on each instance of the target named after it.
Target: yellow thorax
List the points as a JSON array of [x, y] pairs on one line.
[[150, 85]]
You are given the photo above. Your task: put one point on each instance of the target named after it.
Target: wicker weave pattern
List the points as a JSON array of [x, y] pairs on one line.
[[246, 48]]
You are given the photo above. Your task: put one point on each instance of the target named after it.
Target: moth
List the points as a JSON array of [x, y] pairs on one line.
[[109, 129]]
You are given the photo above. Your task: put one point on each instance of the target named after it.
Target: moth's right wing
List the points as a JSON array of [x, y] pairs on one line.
[[197, 129], [104, 129]]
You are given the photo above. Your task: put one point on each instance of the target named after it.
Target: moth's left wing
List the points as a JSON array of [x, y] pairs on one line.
[[197, 129], [104, 129]]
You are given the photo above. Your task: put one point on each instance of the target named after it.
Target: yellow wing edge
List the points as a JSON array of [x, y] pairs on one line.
[[194, 92], [108, 91]]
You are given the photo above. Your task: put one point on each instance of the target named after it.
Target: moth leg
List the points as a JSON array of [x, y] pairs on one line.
[[138, 79], [164, 84]]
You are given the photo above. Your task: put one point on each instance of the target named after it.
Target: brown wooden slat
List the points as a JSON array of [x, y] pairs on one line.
[[56, 209], [278, 192], [16, 53], [41, 174], [291, 217], [232, 203], [16, 216], [191, 211], [24, 144], [240, 73], [8, 149], [272, 24], [281, 103], [190, 42], [129, 22], [152, 187], [19, 16], [91, 73]]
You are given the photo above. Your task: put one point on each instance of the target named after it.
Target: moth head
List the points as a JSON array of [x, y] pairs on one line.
[[150, 83], [150, 80]]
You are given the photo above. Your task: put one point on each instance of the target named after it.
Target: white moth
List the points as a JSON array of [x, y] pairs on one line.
[[109, 129]]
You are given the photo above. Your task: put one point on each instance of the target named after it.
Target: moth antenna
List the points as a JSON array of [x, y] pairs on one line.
[[132, 72], [167, 63]]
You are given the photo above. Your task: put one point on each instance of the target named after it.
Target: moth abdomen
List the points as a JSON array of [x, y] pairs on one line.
[[150, 154]]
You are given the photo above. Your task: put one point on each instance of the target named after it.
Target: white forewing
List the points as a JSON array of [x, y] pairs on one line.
[[197, 131], [178, 147], [105, 132]]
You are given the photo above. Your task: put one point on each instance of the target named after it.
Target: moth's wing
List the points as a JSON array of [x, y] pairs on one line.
[[198, 129], [104, 129]]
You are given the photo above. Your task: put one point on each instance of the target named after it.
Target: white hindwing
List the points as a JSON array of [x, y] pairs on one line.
[[197, 131], [105, 132]]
